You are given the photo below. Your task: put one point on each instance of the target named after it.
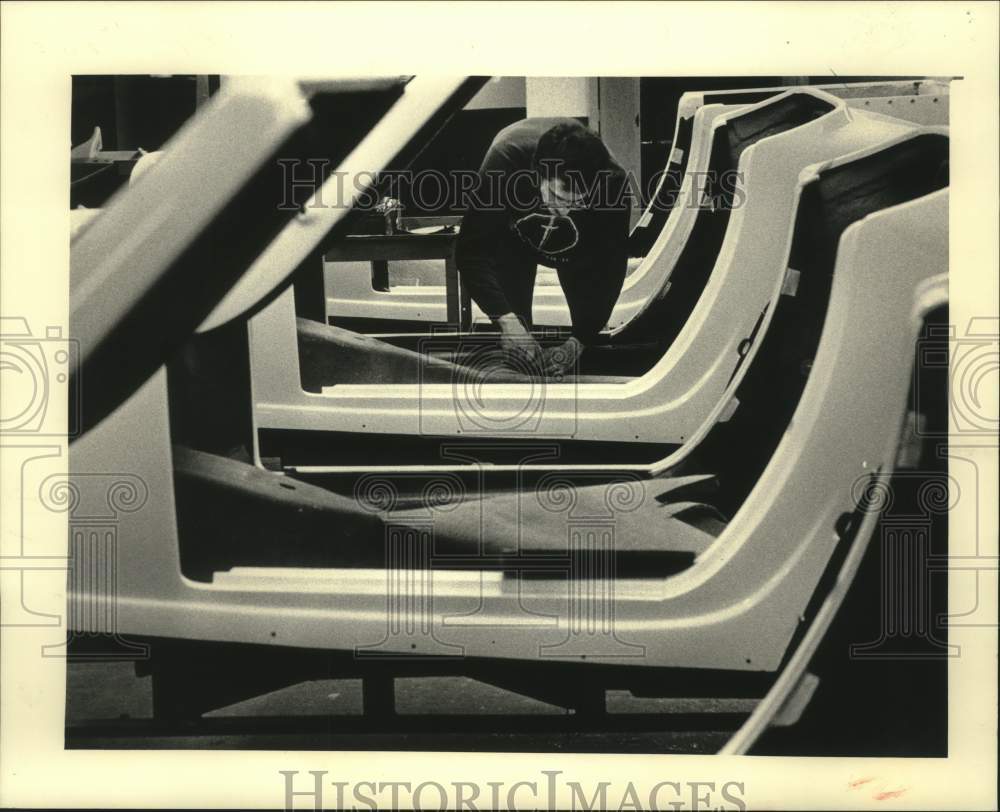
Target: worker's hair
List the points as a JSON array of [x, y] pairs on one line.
[[573, 154]]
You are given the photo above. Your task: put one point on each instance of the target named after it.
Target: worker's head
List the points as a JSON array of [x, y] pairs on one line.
[[569, 159]]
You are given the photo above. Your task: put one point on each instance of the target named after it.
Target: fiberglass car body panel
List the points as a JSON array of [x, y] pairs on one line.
[[350, 292], [351, 295], [737, 608], [674, 402]]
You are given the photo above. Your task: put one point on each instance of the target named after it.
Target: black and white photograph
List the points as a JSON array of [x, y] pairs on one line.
[[434, 411]]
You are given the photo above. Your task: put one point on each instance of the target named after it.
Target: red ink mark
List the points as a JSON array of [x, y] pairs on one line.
[[858, 782], [886, 796]]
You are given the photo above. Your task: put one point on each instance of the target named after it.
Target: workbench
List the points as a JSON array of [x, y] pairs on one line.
[[381, 249]]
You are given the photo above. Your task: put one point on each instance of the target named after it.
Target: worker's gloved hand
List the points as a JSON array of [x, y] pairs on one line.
[[517, 342], [557, 361]]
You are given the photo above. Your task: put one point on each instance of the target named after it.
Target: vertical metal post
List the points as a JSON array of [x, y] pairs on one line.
[[451, 282], [202, 91], [380, 275], [378, 695]]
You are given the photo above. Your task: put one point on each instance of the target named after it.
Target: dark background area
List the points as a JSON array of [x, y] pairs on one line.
[[133, 111], [136, 112]]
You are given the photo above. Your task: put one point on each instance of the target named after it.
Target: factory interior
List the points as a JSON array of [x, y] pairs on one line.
[[362, 511]]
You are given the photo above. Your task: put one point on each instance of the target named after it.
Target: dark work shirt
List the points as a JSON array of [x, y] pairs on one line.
[[506, 228]]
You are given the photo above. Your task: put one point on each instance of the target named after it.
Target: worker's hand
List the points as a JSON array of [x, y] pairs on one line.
[[557, 360], [516, 341]]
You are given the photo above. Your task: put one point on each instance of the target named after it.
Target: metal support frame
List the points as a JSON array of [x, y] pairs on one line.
[[190, 679]]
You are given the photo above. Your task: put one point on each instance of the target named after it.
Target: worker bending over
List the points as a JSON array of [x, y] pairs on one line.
[[549, 193]]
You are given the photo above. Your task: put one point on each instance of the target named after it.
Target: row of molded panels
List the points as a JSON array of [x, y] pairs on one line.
[[677, 401], [736, 608], [351, 295], [645, 280]]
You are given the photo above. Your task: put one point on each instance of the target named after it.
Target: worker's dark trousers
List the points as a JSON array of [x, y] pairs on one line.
[[516, 275]]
